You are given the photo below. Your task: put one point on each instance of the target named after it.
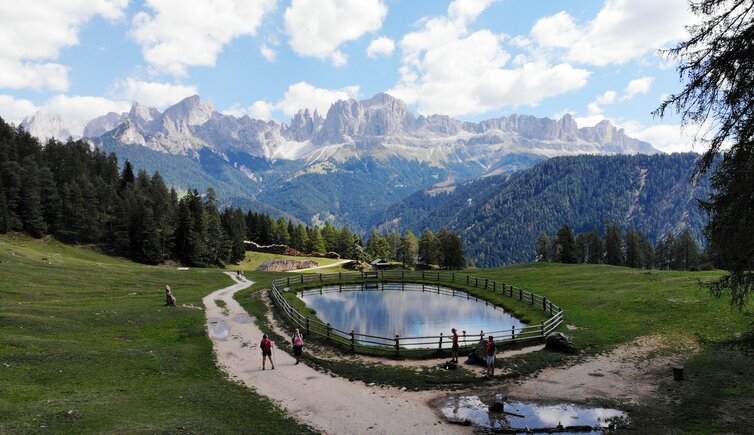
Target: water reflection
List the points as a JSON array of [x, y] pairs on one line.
[[407, 310], [530, 415]]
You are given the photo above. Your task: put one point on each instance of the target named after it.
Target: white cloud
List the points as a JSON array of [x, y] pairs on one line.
[[623, 30], [298, 96], [466, 11], [381, 46], [636, 87], [15, 110], [317, 28], [33, 33], [595, 107], [268, 53], [259, 110], [607, 98], [154, 94], [176, 35], [448, 70], [669, 138], [302, 95], [76, 110]]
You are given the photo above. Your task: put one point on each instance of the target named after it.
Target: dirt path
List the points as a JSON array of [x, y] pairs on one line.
[[331, 405], [628, 373], [337, 263]]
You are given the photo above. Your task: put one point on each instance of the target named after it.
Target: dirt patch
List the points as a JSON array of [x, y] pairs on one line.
[[628, 373], [329, 404]]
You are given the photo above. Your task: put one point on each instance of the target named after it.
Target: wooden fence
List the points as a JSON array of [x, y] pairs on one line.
[[395, 345]]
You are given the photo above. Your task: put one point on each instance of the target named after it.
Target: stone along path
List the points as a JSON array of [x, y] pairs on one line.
[[329, 404]]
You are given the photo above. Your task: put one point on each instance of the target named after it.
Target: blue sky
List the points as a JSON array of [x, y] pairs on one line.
[[472, 59]]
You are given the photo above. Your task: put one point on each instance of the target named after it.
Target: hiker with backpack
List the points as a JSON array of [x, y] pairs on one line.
[[490, 351], [266, 346], [298, 345]]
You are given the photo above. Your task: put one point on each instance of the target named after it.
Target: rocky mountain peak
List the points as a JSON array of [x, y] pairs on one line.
[[102, 124], [191, 110], [45, 126], [381, 115]]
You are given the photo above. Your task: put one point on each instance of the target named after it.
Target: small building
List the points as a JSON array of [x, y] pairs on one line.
[[381, 264]]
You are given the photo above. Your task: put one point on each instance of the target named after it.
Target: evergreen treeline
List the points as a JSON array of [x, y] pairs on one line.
[[630, 249], [499, 217], [79, 195], [444, 249]]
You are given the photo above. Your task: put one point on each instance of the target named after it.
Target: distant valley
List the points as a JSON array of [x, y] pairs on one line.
[[374, 163]]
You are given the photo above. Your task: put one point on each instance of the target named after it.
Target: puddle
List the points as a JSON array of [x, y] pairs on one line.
[[217, 328], [526, 417], [243, 318]]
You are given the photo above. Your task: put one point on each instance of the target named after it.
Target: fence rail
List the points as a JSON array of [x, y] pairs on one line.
[[368, 280]]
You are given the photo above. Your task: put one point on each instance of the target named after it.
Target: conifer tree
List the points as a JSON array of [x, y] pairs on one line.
[[428, 248], [542, 248], [614, 246], [565, 246], [316, 242], [31, 200], [596, 247], [408, 249], [4, 215]]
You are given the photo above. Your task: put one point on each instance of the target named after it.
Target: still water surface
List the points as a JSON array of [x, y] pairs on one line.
[[408, 310]]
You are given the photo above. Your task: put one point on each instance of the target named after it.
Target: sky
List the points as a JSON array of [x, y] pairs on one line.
[[471, 59]]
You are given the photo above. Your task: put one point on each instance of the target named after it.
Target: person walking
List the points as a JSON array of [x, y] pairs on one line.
[[266, 345], [491, 350], [298, 345], [454, 347]]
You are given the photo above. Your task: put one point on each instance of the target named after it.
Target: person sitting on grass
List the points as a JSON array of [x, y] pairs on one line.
[[266, 345], [454, 347], [491, 350]]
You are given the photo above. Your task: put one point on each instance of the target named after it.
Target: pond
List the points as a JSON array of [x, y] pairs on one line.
[[517, 416], [408, 310]]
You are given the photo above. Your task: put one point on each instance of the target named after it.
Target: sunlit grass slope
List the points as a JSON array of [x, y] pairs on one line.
[[86, 346]]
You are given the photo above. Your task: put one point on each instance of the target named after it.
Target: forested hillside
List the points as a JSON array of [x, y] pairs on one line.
[[499, 218]]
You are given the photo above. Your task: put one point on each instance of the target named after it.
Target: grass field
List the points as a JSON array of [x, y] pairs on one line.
[[611, 306], [86, 346]]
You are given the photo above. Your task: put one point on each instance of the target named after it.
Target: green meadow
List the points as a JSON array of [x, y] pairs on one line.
[[87, 346]]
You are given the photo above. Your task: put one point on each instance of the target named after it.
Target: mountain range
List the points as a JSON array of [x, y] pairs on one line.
[[499, 217], [356, 160], [373, 163]]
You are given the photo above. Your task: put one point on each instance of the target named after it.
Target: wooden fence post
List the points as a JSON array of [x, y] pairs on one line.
[[542, 329], [320, 277], [397, 345], [307, 325], [485, 283], [532, 298], [439, 347], [544, 304], [353, 342], [520, 294], [289, 280], [513, 333], [328, 330], [467, 280], [453, 277]]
